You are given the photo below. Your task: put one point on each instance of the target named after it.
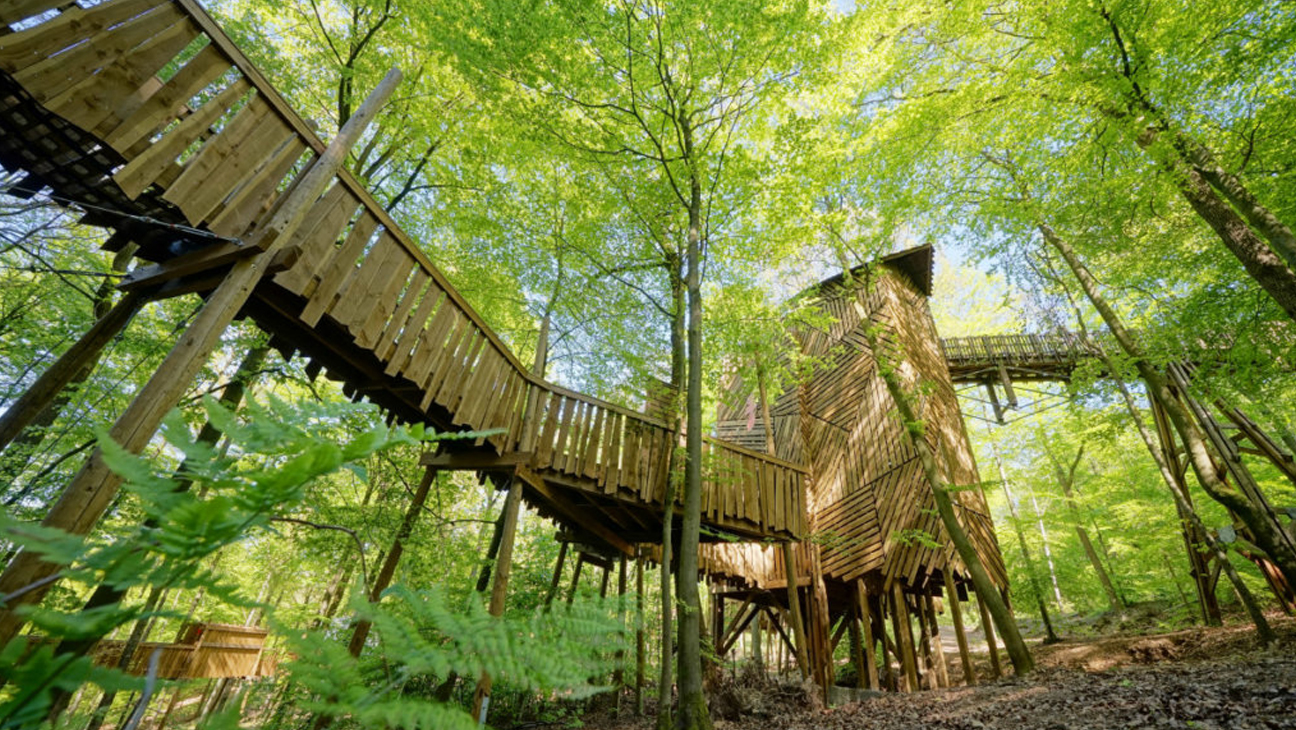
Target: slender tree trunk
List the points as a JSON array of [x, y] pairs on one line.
[[1267, 534], [1044, 541], [1066, 480], [1031, 573], [987, 594], [1279, 235], [679, 368], [1157, 390], [692, 703]]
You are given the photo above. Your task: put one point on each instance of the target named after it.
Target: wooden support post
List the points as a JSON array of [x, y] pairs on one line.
[[499, 591], [388, 571], [81, 355], [607, 575], [640, 658], [987, 628], [821, 645], [938, 650], [870, 673], [576, 574], [889, 677], [86, 498], [930, 678], [618, 674], [1009, 394], [901, 624], [794, 609], [965, 657], [994, 401], [557, 576]]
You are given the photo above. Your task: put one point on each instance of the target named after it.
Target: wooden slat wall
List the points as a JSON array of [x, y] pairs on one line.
[[201, 129], [868, 500]]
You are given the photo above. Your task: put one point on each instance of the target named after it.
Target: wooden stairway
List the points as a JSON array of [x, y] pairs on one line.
[[145, 114]]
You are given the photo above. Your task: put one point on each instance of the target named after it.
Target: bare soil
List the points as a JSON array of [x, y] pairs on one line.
[[1195, 678]]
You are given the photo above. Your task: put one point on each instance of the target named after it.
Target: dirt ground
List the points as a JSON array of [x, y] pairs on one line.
[[1196, 678]]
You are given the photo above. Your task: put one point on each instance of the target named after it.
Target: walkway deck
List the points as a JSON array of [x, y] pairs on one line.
[[144, 111]]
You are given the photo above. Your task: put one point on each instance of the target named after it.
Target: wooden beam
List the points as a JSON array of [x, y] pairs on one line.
[[564, 506], [499, 591], [965, 657], [211, 257], [475, 461], [987, 628], [1009, 394], [557, 576], [904, 636], [870, 661], [794, 609]]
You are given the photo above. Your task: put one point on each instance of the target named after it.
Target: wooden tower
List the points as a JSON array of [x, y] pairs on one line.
[[876, 546]]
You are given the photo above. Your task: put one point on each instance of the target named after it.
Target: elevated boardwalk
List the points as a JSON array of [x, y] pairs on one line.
[[1025, 357], [144, 113]]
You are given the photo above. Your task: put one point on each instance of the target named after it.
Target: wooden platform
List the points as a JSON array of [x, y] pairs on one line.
[[145, 114]]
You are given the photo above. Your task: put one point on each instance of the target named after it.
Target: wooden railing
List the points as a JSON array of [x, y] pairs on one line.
[[201, 132]]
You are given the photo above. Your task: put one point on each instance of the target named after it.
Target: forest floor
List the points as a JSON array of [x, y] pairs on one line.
[[1194, 678]]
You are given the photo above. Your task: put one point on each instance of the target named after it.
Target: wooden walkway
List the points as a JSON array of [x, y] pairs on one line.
[[144, 113], [1025, 357]]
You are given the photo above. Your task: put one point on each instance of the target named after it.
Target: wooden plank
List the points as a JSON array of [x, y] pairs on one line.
[[20, 50], [447, 362], [432, 340], [215, 169], [52, 76], [165, 104], [417, 285], [460, 370], [433, 305], [15, 10], [327, 219], [436, 365], [234, 170], [570, 406], [254, 198], [140, 172], [333, 275], [482, 387], [589, 467], [548, 434], [396, 272], [474, 460], [126, 83]]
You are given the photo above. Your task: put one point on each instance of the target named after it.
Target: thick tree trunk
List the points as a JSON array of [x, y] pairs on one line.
[[1158, 392], [1265, 266], [1268, 534], [1279, 235]]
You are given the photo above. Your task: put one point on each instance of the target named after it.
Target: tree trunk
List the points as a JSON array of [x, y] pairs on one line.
[[1159, 392], [1264, 266], [1268, 534], [679, 369], [692, 711], [1262, 219], [1066, 480], [986, 592], [1031, 573]]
